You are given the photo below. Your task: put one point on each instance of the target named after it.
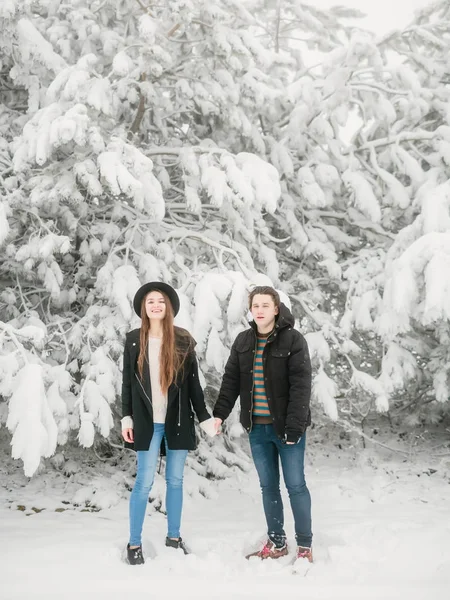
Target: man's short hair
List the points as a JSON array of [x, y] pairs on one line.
[[266, 291]]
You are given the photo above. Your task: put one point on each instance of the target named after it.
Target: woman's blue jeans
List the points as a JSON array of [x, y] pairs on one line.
[[267, 450], [147, 461]]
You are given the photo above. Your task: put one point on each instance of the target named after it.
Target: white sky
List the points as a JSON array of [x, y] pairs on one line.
[[382, 15]]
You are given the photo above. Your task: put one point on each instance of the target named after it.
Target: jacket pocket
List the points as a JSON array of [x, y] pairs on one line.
[[280, 353], [246, 355]]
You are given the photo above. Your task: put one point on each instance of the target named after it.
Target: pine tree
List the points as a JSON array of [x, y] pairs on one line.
[[123, 174], [195, 142], [368, 219]]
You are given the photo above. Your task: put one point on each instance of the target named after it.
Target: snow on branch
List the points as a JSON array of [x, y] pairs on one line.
[[126, 170], [33, 46], [49, 129], [399, 366], [418, 285], [324, 391], [365, 383], [4, 224], [363, 195], [33, 428]]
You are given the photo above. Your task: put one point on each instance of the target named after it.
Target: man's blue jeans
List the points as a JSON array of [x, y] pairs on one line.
[[147, 461], [267, 450]]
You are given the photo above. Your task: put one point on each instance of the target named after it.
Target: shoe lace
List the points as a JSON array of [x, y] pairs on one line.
[[267, 548]]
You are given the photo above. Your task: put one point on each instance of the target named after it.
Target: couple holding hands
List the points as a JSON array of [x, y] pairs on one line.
[[268, 368]]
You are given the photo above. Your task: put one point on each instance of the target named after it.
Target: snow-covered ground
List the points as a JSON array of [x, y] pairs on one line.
[[381, 523]]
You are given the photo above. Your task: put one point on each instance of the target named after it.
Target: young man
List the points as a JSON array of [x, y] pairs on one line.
[[269, 368]]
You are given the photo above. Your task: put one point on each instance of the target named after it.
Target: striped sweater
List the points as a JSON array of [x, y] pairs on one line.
[[260, 405]]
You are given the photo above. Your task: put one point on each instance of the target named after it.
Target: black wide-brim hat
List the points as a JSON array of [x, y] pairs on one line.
[[156, 286]]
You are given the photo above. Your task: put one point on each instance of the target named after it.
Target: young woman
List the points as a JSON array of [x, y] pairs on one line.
[[269, 368], [159, 390]]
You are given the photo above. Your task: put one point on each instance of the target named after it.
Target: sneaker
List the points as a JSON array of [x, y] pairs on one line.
[[269, 550], [177, 544], [135, 556], [303, 552]]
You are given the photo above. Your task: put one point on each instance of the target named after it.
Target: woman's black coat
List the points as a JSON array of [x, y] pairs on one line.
[[183, 396], [287, 378]]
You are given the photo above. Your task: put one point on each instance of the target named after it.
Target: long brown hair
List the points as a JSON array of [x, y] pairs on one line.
[[172, 355]]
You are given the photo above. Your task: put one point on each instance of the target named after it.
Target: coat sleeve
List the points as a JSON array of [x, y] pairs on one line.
[[196, 393], [299, 373], [126, 384], [229, 390]]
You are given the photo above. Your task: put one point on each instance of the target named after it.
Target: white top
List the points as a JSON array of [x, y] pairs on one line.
[[159, 400]]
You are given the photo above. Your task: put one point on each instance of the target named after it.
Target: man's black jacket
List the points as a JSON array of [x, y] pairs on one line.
[[287, 378]]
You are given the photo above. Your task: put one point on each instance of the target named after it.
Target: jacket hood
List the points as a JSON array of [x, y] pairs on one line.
[[284, 318]]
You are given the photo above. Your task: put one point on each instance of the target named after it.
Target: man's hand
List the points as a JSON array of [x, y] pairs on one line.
[[217, 424], [128, 435]]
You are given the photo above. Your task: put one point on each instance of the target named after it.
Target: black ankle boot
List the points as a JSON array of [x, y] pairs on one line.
[[177, 544], [135, 556]]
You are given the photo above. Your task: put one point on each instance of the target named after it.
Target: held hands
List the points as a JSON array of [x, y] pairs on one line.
[[211, 426], [128, 435]]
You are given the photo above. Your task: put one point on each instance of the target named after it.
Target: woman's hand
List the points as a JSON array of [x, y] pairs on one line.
[[128, 435], [217, 423]]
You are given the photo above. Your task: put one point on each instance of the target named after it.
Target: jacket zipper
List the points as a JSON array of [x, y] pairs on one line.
[[146, 395], [179, 408], [253, 384], [253, 377], [268, 341]]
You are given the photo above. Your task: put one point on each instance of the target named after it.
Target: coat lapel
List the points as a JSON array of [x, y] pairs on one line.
[[144, 385]]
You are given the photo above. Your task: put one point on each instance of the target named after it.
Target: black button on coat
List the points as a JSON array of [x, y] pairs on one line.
[[185, 395], [287, 378]]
